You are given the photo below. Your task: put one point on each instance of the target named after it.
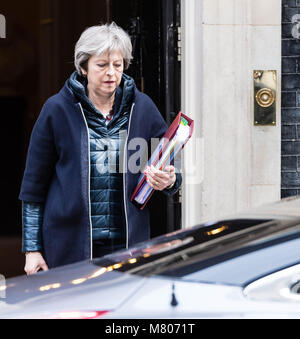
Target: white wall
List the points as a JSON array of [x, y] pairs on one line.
[[237, 164]]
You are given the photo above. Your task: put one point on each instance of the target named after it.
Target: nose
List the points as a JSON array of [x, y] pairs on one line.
[[111, 70]]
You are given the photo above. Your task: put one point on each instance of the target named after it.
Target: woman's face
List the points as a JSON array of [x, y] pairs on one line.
[[104, 73]]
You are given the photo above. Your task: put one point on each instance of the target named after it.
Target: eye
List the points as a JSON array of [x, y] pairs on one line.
[[101, 65]]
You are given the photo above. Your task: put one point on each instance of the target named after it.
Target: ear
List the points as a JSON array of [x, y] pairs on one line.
[[83, 70]]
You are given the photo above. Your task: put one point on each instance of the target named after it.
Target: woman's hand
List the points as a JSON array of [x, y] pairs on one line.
[[34, 263], [160, 180]]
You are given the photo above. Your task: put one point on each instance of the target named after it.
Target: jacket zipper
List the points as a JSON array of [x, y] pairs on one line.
[[89, 181], [124, 177]]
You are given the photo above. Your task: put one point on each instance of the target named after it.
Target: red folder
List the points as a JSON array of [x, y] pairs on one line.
[[169, 135]]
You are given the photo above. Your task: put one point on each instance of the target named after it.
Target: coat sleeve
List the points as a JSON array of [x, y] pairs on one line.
[[41, 159], [32, 221], [172, 191]]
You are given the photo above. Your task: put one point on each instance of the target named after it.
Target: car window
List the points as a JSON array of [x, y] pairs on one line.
[[244, 268], [234, 252]]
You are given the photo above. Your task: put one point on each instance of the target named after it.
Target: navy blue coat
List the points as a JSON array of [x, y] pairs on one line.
[[58, 170]]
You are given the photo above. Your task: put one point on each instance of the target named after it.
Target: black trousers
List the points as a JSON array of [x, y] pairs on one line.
[[104, 247]]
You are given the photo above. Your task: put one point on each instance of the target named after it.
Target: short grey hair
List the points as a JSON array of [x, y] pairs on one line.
[[97, 40]]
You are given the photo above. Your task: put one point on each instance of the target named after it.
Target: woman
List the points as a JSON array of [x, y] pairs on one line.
[[77, 183]]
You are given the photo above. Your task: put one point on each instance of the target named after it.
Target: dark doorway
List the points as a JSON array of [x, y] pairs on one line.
[[18, 88], [38, 56], [154, 27]]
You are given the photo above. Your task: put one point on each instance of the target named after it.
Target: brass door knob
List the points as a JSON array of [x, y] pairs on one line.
[[265, 97]]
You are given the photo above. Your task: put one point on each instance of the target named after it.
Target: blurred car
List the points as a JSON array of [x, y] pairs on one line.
[[245, 266]]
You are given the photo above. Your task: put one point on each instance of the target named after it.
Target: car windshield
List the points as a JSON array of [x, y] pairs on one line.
[[243, 268], [233, 252]]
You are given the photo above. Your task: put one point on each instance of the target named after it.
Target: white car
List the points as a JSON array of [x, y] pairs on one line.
[[246, 266]]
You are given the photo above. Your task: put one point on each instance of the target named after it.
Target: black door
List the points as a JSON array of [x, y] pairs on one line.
[[154, 27]]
